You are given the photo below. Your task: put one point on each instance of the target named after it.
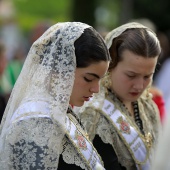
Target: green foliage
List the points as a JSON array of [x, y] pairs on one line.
[[29, 12], [99, 13]]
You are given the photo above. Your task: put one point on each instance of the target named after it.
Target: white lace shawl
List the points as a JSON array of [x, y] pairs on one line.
[[96, 123], [47, 75], [119, 30]]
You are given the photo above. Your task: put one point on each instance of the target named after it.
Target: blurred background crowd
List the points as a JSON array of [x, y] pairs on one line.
[[23, 21]]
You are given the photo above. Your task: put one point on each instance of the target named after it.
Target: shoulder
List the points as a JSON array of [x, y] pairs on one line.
[[148, 107], [31, 110], [148, 103]]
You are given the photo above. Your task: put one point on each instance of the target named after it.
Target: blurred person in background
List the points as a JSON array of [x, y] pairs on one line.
[[157, 97], [122, 120], [10, 31], [3, 81], [38, 29], [165, 52], [14, 41], [162, 80]]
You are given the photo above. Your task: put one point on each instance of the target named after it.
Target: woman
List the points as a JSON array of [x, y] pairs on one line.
[[39, 129], [121, 120]]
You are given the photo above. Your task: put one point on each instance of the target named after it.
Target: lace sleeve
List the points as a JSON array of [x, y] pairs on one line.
[[31, 149]]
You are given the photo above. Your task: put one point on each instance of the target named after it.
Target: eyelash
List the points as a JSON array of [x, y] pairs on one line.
[[87, 80], [130, 76]]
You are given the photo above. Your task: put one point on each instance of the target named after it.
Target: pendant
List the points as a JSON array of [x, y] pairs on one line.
[[148, 139]]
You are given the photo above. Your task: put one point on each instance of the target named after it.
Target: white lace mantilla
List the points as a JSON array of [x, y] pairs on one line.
[[75, 148], [29, 139]]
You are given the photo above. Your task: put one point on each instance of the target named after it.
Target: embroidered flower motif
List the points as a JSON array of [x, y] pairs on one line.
[[124, 126], [81, 141]]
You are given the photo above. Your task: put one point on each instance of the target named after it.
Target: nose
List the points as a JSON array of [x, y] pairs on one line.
[[139, 84], [95, 88]]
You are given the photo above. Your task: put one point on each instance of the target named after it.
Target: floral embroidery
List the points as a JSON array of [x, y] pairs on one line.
[[124, 126], [81, 141]]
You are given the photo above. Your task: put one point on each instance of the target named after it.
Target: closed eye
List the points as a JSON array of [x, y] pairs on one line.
[[87, 80], [131, 76]]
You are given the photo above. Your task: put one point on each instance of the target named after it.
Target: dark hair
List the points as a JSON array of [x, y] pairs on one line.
[[90, 48], [140, 41]]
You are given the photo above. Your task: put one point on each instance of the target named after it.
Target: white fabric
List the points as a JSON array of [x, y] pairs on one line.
[[87, 150], [48, 73], [131, 137], [161, 159], [89, 154], [118, 31]]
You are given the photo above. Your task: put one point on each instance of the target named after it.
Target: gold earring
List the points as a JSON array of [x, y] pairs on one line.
[[106, 81], [148, 93]]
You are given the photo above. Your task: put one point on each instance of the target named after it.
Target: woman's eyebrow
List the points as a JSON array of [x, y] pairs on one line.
[[139, 73], [93, 74]]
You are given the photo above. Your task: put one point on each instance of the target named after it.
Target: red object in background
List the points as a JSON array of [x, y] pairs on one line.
[[158, 99], [161, 106]]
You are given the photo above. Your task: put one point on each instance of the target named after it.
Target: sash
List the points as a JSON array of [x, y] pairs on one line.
[[83, 145], [75, 135], [134, 142]]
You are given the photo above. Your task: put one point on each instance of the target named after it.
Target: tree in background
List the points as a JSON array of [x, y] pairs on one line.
[[84, 11], [101, 14]]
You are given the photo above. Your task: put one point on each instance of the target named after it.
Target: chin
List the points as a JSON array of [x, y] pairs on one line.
[[78, 104], [134, 99]]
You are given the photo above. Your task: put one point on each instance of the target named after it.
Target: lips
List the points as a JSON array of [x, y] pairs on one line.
[[134, 93], [87, 98]]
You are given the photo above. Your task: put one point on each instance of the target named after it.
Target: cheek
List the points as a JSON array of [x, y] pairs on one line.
[[147, 82], [123, 80], [79, 86]]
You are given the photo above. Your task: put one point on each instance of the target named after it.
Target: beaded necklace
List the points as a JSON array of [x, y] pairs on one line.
[[137, 116], [147, 136]]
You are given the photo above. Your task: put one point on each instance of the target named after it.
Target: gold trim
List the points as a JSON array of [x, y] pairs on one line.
[[86, 137], [134, 126]]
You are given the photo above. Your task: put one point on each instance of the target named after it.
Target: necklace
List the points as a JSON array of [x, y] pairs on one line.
[[146, 136], [137, 116]]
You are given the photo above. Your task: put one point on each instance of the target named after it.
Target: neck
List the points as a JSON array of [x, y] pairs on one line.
[[129, 106]]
